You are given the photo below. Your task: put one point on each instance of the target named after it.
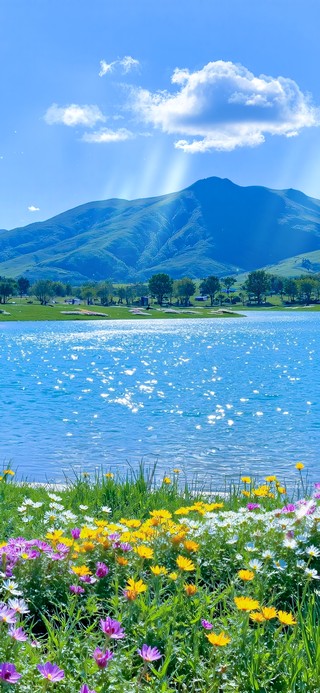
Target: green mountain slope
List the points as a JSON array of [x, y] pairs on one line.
[[212, 227]]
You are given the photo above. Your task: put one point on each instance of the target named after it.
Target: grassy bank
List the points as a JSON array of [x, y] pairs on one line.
[[22, 311], [126, 586]]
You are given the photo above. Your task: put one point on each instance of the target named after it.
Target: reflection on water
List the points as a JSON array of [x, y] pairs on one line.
[[212, 397]]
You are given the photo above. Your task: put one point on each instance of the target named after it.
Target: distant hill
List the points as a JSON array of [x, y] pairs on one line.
[[212, 227]]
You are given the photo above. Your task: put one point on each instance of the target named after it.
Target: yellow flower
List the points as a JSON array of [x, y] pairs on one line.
[[281, 489], [299, 465], [9, 472], [166, 480], [191, 546], [87, 546], [109, 475], [190, 589], [246, 479], [245, 574], [86, 475], [270, 479], [178, 538], [176, 471], [185, 563], [218, 639], [256, 616], [134, 588], [159, 517], [144, 552], [80, 570], [246, 603], [130, 523], [286, 618], [184, 510], [122, 561], [269, 612], [54, 536], [158, 570], [173, 576]]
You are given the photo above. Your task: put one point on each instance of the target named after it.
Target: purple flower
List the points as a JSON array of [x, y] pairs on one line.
[[112, 628], [51, 671], [75, 533], [149, 654], [206, 624], [18, 634], [7, 615], [290, 508], [317, 485], [253, 506], [125, 546], [88, 578], [86, 689], [102, 570], [76, 589], [102, 658], [19, 606], [316, 495], [9, 673]]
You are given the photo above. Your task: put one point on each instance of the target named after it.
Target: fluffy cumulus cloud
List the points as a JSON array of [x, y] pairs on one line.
[[224, 106], [105, 135], [32, 208], [126, 64], [73, 115]]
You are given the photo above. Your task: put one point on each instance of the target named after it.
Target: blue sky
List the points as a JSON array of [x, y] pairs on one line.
[[134, 98]]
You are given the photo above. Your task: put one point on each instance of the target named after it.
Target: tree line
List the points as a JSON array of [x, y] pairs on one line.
[[162, 288]]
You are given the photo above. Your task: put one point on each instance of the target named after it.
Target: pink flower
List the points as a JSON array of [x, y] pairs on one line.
[[206, 624], [85, 689], [102, 658], [76, 589], [112, 628], [102, 570], [18, 634], [149, 654], [51, 671], [9, 673]]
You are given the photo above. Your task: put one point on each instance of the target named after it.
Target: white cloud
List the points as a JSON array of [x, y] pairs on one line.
[[126, 64], [32, 208], [224, 106], [104, 135], [73, 115]]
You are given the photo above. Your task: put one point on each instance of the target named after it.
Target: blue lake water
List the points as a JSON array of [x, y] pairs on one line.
[[213, 397]]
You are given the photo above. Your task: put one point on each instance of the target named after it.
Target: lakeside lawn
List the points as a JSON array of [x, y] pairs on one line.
[[20, 310], [131, 585]]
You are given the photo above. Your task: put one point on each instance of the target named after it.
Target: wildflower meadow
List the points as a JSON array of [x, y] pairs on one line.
[[131, 585]]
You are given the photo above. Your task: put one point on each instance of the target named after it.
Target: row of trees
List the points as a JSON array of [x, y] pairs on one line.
[[162, 287]]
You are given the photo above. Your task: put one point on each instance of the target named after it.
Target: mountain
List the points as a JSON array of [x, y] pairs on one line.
[[211, 227]]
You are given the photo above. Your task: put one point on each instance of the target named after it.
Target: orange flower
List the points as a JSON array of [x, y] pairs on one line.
[[246, 603], [218, 639], [185, 564], [245, 574], [286, 618], [256, 616], [191, 546], [190, 589], [122, 561], [134, 588], [269, 612]]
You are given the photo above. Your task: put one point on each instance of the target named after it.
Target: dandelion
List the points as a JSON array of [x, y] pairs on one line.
[[149, 654], [299, 466], [102, 658], [190, 589], [9, 673], [109, 475], [257, 617], [246, 479], [269, 612], [134, 588], [246, 603], [286, 618], [185, 564], [218, 639], [51, 671], [158, 570], [166, 480], [245, 575]]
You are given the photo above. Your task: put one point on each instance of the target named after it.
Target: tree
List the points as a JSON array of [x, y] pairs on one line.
[[121, 293], [8, 287], [209, 287], [88, 292], [228, 282], [160, 285], [257, 284], [23, 285], [290, 288], [58, 289], [184, 289], [43, 291], [105, 292], [305, 289]]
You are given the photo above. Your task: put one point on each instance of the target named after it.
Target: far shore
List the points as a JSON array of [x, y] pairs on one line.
[[21, 311]]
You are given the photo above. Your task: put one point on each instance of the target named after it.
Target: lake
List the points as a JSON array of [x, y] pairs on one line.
[[211, 397]]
